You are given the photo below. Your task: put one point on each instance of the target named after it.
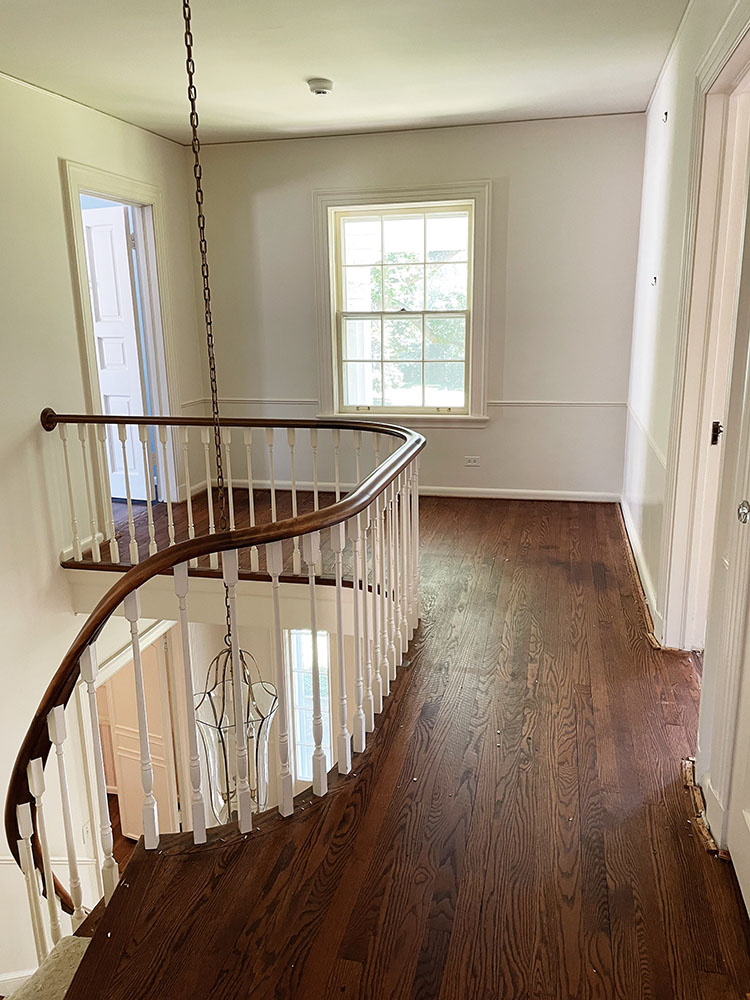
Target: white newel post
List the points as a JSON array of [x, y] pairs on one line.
[[110, 870], [26, 857], [101, 437], [247, 435], [57, 734], [343, 737], [383, 665], [359, 726], [77, 553], [163, 439], [88, 470], [275, 565], [311, 555], [230, 570], [296, 556], [197, 803], [377, 680], [149, 812], [35, 775], [122, 433], [144, 436], [368, 705]]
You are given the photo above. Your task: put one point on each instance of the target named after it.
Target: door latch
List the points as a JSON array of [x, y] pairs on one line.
[[717, 429], [743, 512]]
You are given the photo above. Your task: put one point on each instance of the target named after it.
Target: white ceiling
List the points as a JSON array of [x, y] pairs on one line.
[[394, 63]]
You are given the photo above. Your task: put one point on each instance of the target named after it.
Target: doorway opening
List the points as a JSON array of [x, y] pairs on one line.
[[127, 343]]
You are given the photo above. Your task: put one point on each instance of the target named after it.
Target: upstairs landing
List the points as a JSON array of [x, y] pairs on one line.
[[516, 829]]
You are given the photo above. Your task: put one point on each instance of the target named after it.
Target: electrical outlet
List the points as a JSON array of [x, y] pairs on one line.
[[472, 461]]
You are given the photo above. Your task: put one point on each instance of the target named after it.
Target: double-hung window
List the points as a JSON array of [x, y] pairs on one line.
[[402, 278], [301, 662]]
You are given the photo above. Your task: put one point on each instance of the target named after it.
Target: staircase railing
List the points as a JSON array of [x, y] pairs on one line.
[[375, 524]]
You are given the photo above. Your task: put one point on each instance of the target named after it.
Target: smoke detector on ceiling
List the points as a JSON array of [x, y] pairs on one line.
[[320, 86]]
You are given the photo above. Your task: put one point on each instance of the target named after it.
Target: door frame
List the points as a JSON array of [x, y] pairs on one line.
[[151, 254]]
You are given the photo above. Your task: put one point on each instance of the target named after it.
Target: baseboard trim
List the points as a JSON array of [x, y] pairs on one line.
[[502, 494], [14, 981], [87, 544], [646, 582]]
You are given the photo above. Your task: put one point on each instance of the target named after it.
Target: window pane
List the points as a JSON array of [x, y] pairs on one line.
[[361, 339], [444, 383], [448, 237], [362, 289], [403, 384], [362, 384], [402, 339], [303, 728], [302, 690], [361, 238], [447, 285], [404, 287], [445, 338], [304, 764], [403, 239]]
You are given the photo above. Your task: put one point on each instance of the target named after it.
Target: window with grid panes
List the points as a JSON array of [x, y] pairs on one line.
[[300, 648], [403, 278]]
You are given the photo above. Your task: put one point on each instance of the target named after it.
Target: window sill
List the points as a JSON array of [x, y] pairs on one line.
[[416, 420]]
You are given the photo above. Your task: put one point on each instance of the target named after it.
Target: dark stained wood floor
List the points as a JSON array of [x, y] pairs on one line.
[[516, 830]]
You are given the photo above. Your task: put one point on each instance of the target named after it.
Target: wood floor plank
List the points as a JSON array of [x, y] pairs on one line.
[[543, 851]]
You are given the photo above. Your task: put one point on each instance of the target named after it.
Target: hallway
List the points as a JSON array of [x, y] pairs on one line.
[[516, 830]]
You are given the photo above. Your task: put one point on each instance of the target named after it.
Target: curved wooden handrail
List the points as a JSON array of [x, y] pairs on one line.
[[36, 742]]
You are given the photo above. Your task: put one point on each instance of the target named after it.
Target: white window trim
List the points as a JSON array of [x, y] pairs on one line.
[[323, 201]]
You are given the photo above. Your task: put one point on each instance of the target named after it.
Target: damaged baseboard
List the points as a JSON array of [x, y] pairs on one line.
[[699, 822]]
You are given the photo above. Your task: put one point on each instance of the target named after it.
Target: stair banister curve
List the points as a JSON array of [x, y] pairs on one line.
[[37, 743]]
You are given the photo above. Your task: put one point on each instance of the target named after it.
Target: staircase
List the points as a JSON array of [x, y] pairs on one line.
[[178, 915]]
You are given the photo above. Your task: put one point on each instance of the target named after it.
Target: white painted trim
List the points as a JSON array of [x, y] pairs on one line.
[[658, 453], [14, 981], [647, 583], [670, 51], [503, 494], [86, 545], [555, 402], [109, 667], [478, 191], [716, 814]]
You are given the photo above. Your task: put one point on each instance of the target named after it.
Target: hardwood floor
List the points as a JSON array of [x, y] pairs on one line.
[[516, 830]]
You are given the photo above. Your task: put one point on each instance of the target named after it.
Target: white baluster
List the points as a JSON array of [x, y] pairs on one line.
[[311, 553], [26, 857], [275, 565], [296, 558], [77, 553], [271, 471], [409, 545], [35, 775], [248, 438], [110, 870], [165, 457], [149, 812], [90, 503], [392, 661], [377, 450], [377, 681], [101, 437], [357, 453], [383, 666], [343, 737], [399, 638], [415, 543], [359, 726], [57, 734], [188, 485], [230, 568], [144, 436], [367, 701], [404, 568], [314, 446], [213, 559], [226, 437], [122, 433], [197, 802], [336, 434]]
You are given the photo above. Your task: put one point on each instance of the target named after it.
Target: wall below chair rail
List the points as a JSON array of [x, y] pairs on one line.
[[563, 240]]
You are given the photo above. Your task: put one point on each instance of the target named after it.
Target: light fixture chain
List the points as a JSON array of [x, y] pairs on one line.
[[198, 174]]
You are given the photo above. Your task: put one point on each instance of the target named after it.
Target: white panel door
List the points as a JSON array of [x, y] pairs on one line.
[[126, 747], [116, 338]]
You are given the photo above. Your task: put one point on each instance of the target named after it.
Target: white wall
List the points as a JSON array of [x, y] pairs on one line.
[[657, 314], [42, 367], [564, 230]]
